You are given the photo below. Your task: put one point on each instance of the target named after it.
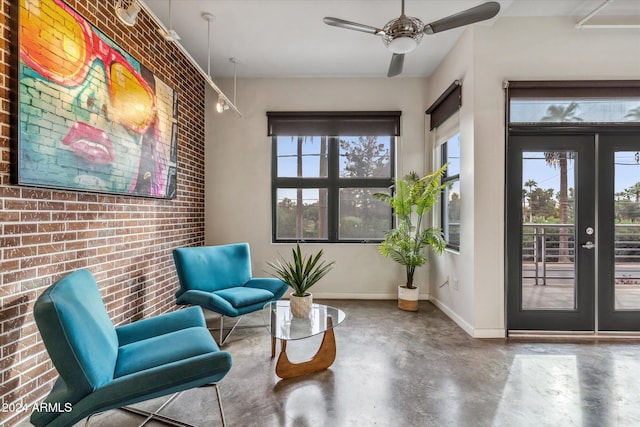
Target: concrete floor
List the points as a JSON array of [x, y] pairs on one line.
[[396, 368]]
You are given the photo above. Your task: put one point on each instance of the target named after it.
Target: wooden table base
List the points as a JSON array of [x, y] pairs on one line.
[[324, 357]]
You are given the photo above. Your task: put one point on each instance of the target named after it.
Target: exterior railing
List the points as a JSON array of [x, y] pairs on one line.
[[548, 252]]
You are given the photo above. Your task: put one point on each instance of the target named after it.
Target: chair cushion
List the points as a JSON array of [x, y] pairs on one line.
[[164, 349], [159, 325], [241, 297], [212, 268], [78, 334]]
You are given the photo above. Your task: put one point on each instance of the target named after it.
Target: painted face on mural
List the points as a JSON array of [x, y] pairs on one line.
[[88, 116]]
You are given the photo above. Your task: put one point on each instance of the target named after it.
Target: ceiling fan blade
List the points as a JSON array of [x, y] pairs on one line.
[[397, 61], [476, 14], [337, 22]]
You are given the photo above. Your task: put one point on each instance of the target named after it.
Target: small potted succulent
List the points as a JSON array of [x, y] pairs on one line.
[[301, 274]]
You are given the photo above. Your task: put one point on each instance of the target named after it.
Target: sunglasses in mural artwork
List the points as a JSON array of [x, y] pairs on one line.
[[91, 117]]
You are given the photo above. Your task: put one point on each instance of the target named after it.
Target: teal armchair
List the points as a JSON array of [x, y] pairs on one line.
[[219, 279], [102, 367]]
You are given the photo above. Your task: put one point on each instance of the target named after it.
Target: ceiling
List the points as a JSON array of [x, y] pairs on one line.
[[287, 38]]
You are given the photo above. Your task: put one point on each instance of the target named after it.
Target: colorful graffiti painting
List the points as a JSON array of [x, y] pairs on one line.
[[91, 117]]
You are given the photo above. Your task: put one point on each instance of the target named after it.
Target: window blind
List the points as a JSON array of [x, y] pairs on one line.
[[368, 123], [446, 105]]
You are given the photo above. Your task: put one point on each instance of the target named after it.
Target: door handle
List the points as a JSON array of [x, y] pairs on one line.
[[589, 245]]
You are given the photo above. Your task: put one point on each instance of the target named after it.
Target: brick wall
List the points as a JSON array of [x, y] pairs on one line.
[[125, 242]]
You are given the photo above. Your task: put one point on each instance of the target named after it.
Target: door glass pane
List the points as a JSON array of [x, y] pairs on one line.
[[548, 209], [627, 230]]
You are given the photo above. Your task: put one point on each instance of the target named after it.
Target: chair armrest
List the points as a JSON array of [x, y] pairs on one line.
[[276, 286], [159, 325], [208, 300]]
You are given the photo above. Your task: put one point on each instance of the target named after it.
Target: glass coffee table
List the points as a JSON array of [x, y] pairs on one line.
[[283, 326]]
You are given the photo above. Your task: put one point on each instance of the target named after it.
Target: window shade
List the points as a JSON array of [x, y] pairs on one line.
[[446, 105], [369, 123]]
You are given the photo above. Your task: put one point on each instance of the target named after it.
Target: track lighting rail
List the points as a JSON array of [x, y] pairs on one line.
[[190, 58]]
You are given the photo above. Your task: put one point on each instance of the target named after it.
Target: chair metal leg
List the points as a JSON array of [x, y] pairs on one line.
[[220, 405], [222, 340], [215, 385], [156, 416]]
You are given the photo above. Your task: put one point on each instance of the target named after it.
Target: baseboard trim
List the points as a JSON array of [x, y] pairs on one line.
[[469, 329], [577, 335], [453, 316], [341, 295], [489, 333]]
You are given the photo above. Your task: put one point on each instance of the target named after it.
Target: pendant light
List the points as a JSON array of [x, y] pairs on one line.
[[234, 61], [221, 105], [169, 34]]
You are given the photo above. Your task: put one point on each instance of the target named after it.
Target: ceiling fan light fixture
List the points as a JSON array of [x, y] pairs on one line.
[[127, 12], [402, 45], [403, 35]]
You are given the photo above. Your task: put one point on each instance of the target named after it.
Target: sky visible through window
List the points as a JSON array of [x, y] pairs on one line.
[[577, 111], [547, 176], [453, 155], [311, 153], [600, 110]]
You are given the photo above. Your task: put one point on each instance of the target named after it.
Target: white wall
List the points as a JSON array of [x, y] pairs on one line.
[[238, 171], [458, 303], [511, 49]]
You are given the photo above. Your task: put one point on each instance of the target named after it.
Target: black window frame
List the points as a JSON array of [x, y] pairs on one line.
[[336, 123]]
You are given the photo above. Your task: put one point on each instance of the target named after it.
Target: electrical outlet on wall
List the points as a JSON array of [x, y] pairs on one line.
[[455, 283]]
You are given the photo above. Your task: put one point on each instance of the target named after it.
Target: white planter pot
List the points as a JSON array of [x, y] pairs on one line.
[[408, 298], [300, 306]]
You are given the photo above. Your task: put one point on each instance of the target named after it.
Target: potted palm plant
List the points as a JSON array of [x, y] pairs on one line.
[[301, 274], [413, 198]]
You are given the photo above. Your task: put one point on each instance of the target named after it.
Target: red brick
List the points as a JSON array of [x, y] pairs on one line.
[[35, 239], [20, 251], [20, 228]]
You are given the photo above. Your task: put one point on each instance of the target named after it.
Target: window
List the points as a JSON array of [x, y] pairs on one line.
[[325, 169], [579, 103], [445, 125], [451, 196]]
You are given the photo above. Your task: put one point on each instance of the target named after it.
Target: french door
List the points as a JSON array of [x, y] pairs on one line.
[[573, 232]]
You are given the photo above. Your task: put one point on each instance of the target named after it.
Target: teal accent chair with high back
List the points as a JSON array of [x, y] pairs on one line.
[[102, 367], [219, 278]]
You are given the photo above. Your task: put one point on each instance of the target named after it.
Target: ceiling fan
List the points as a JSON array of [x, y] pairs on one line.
[[403, 34]]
